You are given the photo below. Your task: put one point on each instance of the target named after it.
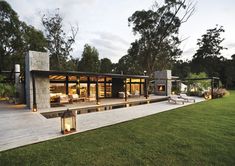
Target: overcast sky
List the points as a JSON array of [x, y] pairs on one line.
[[103, 23]]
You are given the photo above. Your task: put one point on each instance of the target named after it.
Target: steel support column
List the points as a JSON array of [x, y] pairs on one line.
[[97, 91], [125, 90], [34, 94], [212, 88]]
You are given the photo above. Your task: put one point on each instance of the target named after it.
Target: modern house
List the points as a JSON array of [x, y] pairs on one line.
[[45, 87]]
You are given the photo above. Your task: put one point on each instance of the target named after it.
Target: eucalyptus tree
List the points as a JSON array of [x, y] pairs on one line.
[[208, 56], [158, 29], [59, 43]]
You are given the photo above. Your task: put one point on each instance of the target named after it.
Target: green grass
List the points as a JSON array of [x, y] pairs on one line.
[[199, 134]]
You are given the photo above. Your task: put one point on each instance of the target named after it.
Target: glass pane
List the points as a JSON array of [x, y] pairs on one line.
[[68, 124], [72, 88], [108, 79], [58, 88], [135, 80], [135, 89], [92, 91], [101, 90], [83, 90], [142, 89], [128, 88], [108, 89], [128, 80]]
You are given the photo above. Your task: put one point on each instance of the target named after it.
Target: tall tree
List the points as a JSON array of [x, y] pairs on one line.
[[72, 64], [158, 30], [33, 38], [229, 73], [210, 43], [208, 56], [10, 35], [129, 64], [126, 65], [106, 65], [59, 43], [16, 38], [90, 60]]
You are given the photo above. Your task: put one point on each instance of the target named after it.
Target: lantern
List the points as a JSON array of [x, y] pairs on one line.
[[34, 108], [68, 122]]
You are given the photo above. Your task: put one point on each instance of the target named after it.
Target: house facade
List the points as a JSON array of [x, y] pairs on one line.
[[45, 87]]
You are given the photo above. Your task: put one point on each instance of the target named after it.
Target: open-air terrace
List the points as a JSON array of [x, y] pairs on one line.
[[20, 127]]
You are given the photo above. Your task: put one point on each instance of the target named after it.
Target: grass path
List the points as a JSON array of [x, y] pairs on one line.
[[199, 134]]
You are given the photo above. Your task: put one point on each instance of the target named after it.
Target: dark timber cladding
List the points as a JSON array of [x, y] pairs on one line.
[[77, 73], [119, 81]]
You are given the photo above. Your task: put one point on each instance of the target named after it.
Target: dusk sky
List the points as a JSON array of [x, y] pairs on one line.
[[103, 23]]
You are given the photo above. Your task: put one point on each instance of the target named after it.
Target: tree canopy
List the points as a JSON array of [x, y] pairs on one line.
[[106, 65], [210, 43], [16, 38], [59, 43], [207, 58], [89, 60], [158, 29]]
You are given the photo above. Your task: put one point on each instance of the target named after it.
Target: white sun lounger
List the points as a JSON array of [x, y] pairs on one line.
[[187, 98], [175, 99]]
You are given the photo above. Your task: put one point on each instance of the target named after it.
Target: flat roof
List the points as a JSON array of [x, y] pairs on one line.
[[79, 73]]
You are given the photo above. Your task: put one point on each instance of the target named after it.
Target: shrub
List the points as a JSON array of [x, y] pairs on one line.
[[6, 90], [217, 93], [220, 92]]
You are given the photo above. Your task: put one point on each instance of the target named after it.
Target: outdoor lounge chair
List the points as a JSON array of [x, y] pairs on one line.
[[128, 94], [136, 94], [64, 99], [122, 94], [175, 99], [187, 98], [74, 97]]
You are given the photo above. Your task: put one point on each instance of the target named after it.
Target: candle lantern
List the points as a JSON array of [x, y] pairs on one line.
[[68, 122], [34, 108]]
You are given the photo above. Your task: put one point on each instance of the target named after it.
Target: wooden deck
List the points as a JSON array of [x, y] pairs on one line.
[[21, 127]]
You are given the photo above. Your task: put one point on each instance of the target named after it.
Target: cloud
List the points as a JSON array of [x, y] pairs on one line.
[[109, 49], [189, 51], [230, 44], [104, 43], [103, 23], [113, 55], [112, 37], [109, 45]]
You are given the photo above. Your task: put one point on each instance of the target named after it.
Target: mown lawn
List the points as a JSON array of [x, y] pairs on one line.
[[199, 134]]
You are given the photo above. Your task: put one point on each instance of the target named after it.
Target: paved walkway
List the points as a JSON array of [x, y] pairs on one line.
[[20, 127]]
